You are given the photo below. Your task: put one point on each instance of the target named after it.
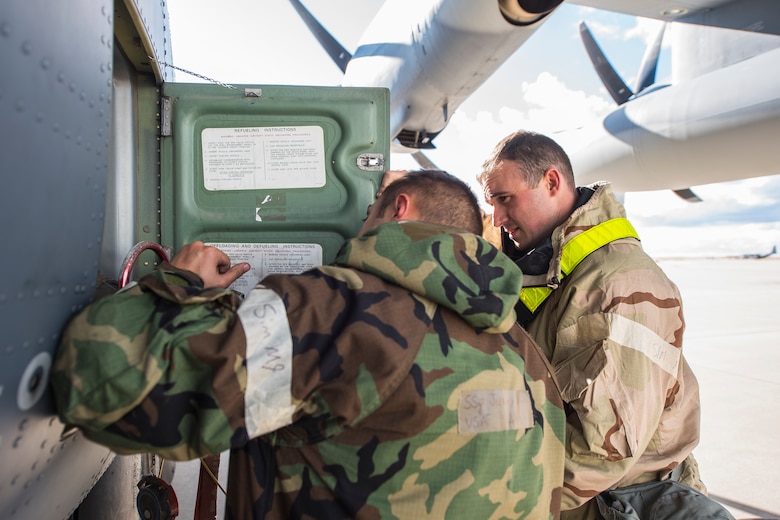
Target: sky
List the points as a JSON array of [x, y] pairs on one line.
[[547, 86]]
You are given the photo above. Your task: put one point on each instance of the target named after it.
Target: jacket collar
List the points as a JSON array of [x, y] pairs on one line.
[[446, 265], [535, 264]]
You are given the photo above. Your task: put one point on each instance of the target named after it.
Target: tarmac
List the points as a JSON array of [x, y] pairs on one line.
[[732, 342]]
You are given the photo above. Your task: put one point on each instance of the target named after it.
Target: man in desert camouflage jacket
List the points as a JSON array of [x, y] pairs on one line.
[[391, 384], [606, 316]]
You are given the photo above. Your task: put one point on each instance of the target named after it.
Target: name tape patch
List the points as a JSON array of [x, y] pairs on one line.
[[482, 411]]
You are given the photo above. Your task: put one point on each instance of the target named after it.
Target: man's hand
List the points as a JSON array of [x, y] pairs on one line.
[[210, 263], [389, 177]]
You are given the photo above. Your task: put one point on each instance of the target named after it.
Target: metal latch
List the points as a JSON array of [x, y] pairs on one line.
[[371, 162]]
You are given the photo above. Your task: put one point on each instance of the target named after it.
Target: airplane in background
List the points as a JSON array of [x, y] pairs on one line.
[[761, 255], [89, 117], [717, 120]]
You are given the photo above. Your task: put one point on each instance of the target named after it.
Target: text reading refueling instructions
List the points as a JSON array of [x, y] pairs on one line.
[[252, 158], [268, 259]]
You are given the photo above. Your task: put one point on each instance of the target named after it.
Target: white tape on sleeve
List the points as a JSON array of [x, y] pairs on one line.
[[268, 400], [631, 334]]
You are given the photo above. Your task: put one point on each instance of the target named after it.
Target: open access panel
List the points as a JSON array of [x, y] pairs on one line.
[[277, 176]]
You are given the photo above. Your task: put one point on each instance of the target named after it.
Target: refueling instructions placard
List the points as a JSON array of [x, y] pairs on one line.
[[268, 259], [263, 157]]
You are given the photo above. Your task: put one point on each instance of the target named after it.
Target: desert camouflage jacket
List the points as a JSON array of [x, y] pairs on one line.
[[392, 384], [613, 333]]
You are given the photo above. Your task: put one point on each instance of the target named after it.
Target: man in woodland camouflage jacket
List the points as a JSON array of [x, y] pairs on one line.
[[391, 384]]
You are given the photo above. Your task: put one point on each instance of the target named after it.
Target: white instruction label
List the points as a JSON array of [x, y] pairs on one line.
[[264, 157], [268, 259]]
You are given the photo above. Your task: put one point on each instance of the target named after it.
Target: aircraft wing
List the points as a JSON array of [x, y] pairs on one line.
[[751, 15]]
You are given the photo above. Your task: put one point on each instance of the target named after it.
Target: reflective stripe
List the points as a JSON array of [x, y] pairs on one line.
[[268, 397], [636, 336], [576, 250], [532, 297], [592, 239]]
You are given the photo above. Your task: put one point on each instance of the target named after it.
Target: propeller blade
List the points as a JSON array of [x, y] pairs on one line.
[[687, 195], [615, 85], [650, 62], [423, 161], [335, 50]]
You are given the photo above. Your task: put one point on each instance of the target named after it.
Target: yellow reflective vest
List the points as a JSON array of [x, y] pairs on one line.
[[574, 252]]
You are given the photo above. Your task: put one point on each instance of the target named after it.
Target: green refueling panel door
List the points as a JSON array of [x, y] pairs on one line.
[[277, 176]]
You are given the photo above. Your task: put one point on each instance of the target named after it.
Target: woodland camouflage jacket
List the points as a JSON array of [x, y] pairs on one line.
[[392, 384], [613, 333]]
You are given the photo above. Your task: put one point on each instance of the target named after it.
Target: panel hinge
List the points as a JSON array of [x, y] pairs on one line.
[[166, 115]]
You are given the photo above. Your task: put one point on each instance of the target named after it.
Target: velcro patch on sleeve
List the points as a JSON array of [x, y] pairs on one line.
[[481, 411]]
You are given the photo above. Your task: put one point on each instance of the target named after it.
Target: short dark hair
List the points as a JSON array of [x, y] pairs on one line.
[[533, 154], [441, 198]]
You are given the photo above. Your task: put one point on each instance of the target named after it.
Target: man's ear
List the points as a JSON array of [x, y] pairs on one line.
[[402, 207], [552, 181]]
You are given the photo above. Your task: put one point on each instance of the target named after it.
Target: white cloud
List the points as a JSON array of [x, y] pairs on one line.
[[708, 241], [551, 107], [748, 201], [735, 218], [556, 107], [602, 30], [646, 30]]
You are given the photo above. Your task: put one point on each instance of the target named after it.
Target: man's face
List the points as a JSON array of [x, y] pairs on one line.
[[527, 213]]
